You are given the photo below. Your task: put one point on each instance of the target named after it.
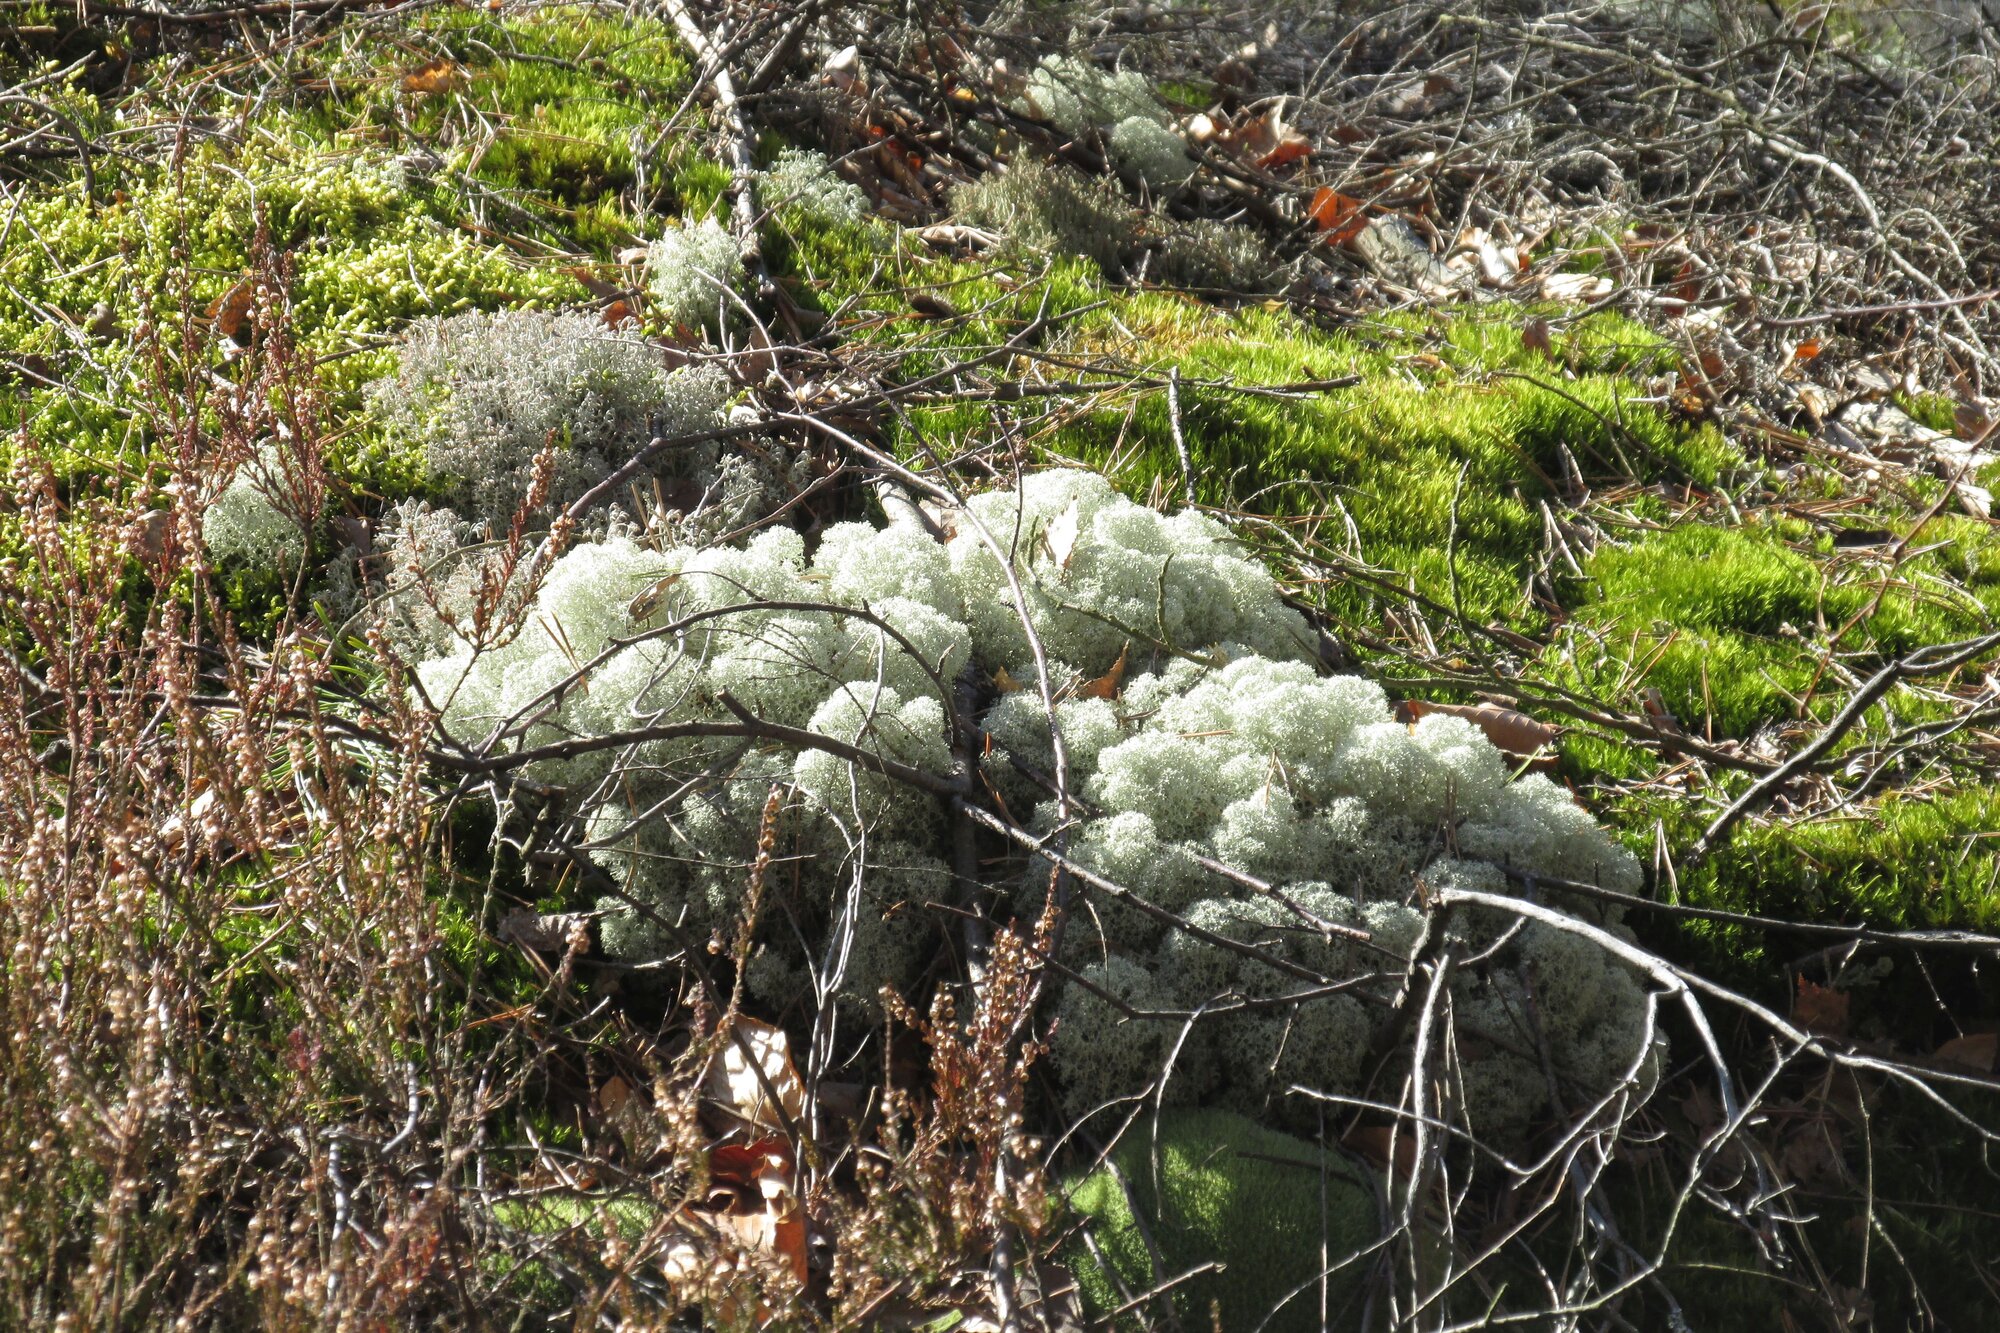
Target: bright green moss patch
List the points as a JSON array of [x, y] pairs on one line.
[[627, 1217], [1442, 455], [1906, 861], [366, 253], [1215, 1187], [570, 100], [1724, 622]]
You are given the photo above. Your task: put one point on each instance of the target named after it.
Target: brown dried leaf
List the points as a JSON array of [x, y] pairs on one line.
[[752, 1202], [1814, 1155], [1655, 706], [613, 1095], [153, 529], [1509, 729], [1374, 1142], [436, 77], [1821, 1009], [1978, 1051], [733, 1082], [590, 282], [1973, 419], [1338, 215], [647, 600], [230, 312], [1106, 685], [1269, 142]]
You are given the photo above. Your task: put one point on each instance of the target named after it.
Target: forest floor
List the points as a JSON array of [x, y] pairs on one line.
[[1622, 382]]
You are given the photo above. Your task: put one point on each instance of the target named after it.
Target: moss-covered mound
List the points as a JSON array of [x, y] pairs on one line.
[[1277, 1213]]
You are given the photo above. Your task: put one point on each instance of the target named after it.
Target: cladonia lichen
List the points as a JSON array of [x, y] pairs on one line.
[[1199, 734]]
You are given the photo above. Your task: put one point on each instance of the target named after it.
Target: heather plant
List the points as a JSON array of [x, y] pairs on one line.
[[208, 1118]]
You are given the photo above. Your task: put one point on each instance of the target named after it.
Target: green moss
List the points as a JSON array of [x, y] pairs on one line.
[[366, 255], [380, 204], [1905, 861], [575, 96], [627, 1217], [1442, 455], [1935, 410], [1722, 621], [1225, 1189]]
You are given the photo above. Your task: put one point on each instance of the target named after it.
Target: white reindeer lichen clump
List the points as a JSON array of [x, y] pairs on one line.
[[691, 267], [243, 525], [802, 181], [1223, 744], [483, 393], [1080, 99]]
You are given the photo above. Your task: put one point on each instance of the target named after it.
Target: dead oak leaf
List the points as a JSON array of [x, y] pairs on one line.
[[1338, 216], [1821, 1010], [436, 77], [1978, 1051], [1106, 685], [1509, 729]]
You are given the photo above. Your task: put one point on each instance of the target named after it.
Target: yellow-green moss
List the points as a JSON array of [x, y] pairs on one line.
[[1215, 1187]]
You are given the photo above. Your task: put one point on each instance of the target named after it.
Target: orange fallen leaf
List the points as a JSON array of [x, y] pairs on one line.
[[1509, 729], [436, 77], [1654, 705], [230, 312], [1821, 1009], [613, 1095], [1374, 1142], [1292, 148], [590, 282], [1686, 284], [752, 1203], [1336, 214], [1269, 142], [1106, 685]]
